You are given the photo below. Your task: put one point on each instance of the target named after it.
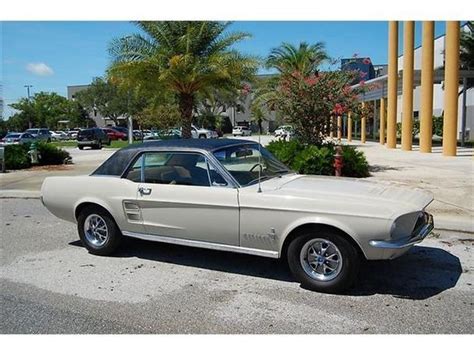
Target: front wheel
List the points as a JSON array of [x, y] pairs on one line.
[[98, 231], [323, 260]]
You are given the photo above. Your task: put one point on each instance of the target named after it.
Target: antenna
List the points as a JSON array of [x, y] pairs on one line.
[[259, 161]]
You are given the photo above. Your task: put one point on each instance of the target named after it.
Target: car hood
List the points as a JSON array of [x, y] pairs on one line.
[[391, 196]]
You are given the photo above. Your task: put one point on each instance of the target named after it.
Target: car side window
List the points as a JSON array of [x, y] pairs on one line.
[[176, 169], [215, 177], [168, 168]]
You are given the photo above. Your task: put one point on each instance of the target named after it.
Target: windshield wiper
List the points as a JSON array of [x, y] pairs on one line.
[[261, 178]]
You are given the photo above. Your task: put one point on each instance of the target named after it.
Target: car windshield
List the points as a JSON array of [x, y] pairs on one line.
[[13, 135], [250, 163]]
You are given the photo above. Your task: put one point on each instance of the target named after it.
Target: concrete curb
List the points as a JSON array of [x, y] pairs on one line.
[[442, 221], [26, 194]]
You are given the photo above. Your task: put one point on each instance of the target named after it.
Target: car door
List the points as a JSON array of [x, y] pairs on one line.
[[181, 195]]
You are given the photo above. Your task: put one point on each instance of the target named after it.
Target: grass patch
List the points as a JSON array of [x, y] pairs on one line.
[[72, 144]]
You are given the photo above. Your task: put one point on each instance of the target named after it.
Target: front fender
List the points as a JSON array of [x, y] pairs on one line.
[[355, 234]]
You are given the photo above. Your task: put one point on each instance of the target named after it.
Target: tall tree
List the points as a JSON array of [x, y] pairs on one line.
[[107, 98], [184, 57], [45, 110], [304, 59]]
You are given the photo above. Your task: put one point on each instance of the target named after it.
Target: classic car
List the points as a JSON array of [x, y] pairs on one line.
[[233, 195]]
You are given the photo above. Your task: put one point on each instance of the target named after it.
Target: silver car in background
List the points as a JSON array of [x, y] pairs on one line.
[[42, 134]]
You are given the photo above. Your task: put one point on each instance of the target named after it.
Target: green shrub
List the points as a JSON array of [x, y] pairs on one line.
[[319, 160], [16, 156], [285, 151], [354, 162], [315, 161], [50, 154]]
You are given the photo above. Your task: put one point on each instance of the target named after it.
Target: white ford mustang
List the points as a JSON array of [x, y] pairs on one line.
[[233, 195]]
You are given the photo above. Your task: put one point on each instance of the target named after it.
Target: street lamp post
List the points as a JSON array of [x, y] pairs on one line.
[[28, 95]]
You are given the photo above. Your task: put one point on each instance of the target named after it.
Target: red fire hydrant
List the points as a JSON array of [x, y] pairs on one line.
[[338, 161]]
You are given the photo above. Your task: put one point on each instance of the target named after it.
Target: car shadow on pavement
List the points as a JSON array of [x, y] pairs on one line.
[[420, 274]]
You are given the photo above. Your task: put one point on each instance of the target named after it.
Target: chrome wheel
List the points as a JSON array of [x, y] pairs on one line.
[[321, 259], [95, 230]]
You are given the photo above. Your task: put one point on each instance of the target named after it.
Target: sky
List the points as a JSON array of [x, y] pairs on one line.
[[52, 55]]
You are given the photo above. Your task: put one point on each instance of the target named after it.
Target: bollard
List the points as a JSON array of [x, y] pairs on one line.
[[338, 161], [34, 154]]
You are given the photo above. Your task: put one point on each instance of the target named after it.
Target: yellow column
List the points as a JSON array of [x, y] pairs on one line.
[[426, 109], [392, 84], [382, 121], [339, 128], [363, 121], [451, 87], [349, 127], [407, 110]]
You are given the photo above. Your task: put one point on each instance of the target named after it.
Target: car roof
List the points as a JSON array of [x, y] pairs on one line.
[[204, 144]]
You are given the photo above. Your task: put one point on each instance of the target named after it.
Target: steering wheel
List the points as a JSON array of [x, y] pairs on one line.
[[258, 164]]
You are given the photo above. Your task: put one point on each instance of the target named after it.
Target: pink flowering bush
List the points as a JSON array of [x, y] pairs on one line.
[[309, 102]]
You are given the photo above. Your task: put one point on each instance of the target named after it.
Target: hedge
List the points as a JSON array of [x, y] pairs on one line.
[[17, 157]]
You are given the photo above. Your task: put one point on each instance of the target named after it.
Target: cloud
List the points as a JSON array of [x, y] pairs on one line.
[[40, 69]]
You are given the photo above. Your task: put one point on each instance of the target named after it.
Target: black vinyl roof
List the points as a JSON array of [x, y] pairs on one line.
[[205, 144], [118, 162]]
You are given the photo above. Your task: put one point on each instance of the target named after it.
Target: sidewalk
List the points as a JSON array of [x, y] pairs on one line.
[[450, 179]]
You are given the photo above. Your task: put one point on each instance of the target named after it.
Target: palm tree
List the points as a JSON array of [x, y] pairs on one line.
[[466, 54], [467, 47], [184, 57], [305, 59]]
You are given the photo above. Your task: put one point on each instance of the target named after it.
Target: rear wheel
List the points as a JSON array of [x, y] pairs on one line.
[[80, 147], [323, 260], [202, 136], [98, 231]]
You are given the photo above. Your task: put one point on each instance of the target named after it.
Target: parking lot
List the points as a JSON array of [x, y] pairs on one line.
[[50, 284]]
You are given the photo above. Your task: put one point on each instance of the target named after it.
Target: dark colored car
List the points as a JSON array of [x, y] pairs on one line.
[[92, 137], [115, 134]]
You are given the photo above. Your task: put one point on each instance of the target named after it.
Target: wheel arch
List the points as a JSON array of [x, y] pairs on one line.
[[80, 206], [297, 228]]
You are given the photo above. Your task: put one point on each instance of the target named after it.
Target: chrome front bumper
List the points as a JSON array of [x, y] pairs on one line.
[[417, 236]]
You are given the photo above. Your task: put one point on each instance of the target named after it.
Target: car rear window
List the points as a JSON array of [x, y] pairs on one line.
[[86, 133], [116, 164]]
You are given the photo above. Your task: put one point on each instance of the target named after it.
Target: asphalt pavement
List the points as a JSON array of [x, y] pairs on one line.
[[50, 284]]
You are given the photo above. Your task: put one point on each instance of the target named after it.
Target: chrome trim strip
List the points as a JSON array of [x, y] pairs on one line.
[[408, 241], [205, 245]]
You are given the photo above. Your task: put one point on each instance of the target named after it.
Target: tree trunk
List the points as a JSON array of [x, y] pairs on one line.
[[186, 102]]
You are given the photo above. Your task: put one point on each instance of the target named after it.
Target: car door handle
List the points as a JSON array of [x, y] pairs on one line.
[[144, 190]]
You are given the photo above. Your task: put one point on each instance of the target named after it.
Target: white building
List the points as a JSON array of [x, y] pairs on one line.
[[438, 91]]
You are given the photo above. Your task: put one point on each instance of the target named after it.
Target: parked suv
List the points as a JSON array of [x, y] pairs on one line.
[[42, 134], [92, 137], [241, 131]]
